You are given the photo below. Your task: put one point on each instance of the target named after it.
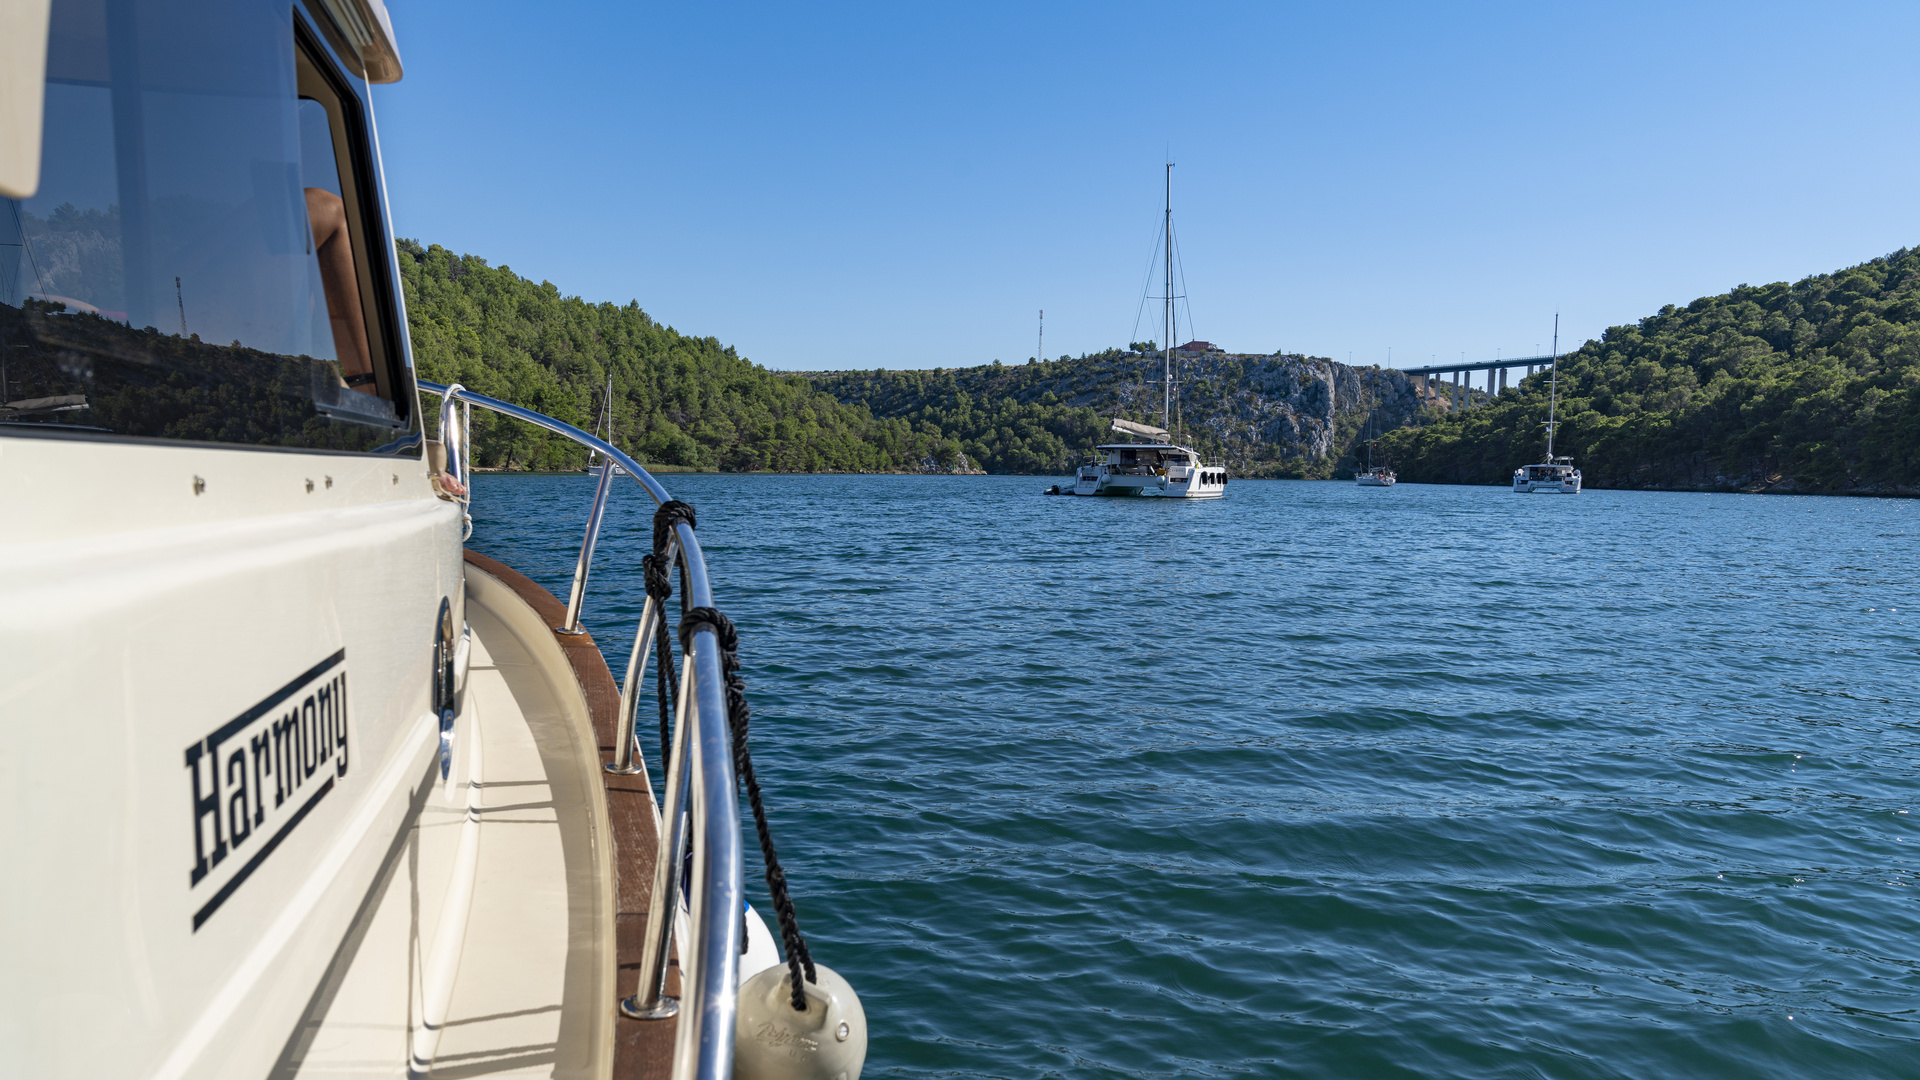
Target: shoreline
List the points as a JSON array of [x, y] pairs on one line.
[[1778, 490]]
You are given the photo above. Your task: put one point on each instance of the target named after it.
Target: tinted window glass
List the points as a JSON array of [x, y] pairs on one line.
[[166, 279]]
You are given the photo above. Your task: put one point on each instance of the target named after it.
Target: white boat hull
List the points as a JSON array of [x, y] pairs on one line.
[[1154, 470], [1554, 478], [1156, 487]]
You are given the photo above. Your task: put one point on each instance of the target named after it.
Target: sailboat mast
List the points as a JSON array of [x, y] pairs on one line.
[[1166, 350], [603, 422], [1553, 381]]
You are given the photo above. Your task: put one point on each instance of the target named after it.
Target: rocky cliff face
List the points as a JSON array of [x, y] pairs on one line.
[[1292, 413], [1282, 406], [1272, 415], [959, 466]]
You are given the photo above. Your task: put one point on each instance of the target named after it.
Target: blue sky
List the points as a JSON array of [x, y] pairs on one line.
[[905, 185]]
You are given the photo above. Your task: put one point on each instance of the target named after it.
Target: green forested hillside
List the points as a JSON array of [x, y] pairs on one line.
[[678, 400], [1004, 419], [690, 402], [1811, 387]]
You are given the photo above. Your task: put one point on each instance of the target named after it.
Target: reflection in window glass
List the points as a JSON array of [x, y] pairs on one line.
[[318, 167], [165, 279], [339, 285]]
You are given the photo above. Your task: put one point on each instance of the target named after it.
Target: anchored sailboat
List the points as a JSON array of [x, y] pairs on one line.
[[1557, 476], [1374, 476], [1160, 466], [603, 429]]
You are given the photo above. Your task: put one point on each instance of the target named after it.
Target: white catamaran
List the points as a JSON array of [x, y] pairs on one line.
[[1557, 476], [1159, 467]]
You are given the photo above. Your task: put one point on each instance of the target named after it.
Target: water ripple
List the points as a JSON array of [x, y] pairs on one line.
[[1318, 780]]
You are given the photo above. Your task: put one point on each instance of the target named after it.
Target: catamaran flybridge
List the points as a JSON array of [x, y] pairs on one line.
[[1159, 467], [1556, 475], [297, 785]]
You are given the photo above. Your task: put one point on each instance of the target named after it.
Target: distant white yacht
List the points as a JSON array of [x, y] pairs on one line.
[[1375, 475], [1557, 476], [1159, 467], [603, 428]]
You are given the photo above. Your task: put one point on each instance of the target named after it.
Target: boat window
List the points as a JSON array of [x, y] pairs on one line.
[[198, 261]]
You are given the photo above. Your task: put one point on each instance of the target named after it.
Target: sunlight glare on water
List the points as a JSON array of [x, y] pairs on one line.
[[1318, 780]]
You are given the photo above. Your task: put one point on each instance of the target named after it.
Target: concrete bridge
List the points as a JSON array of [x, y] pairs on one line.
[[1462, 388]]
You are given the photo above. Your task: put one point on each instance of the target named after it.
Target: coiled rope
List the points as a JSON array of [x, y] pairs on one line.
[[799, 961]]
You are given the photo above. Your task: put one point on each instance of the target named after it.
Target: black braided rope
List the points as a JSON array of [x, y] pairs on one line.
[[666, 682], [799, 961], [659, 577], [671, 513]]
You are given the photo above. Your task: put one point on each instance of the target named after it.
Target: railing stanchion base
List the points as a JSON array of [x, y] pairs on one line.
[[634, 769], [667, 1007]]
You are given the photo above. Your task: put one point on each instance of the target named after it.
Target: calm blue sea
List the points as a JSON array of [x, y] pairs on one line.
[[1316, 780]]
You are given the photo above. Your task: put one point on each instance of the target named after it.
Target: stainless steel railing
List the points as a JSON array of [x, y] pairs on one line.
[[700, 785]]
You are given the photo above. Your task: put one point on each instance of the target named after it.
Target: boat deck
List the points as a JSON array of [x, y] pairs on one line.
[[515, 974], [641, 1049]]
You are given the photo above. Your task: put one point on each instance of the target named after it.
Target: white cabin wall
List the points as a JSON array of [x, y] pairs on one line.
[[136, 617]]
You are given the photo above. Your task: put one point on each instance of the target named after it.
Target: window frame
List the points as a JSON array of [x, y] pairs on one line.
[[319, 72]]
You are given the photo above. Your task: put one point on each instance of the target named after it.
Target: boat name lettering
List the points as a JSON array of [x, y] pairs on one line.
[[255, 778]]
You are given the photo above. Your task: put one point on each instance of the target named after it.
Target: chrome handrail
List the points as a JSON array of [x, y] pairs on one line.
[[701, 760], [454, 441], [577, 597]]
